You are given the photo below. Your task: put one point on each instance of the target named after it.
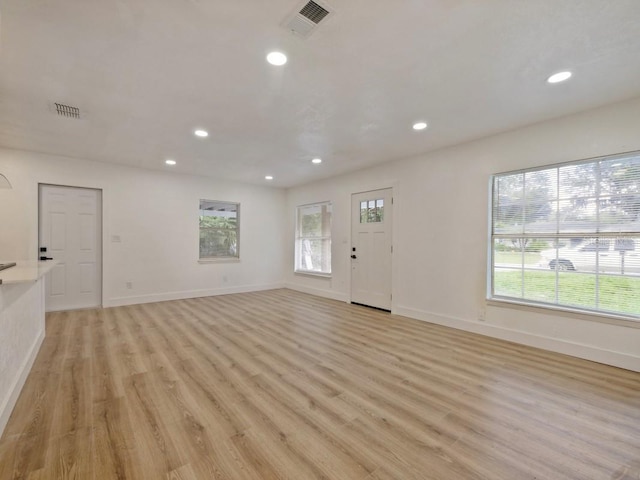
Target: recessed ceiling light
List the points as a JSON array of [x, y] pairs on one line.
[[316, 160], [277, 58], [170, 162], [201, 133], [268, 177], [419, 126], [559, 77]]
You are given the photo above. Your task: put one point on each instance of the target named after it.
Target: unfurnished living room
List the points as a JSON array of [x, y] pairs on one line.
[[340, 240]]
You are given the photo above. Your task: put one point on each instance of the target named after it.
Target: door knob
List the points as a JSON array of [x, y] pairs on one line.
[[353, 256]]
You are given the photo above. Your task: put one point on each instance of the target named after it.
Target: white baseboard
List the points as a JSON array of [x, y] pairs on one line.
[[318, 292], [6, 407], [587, 352], [208, 292]]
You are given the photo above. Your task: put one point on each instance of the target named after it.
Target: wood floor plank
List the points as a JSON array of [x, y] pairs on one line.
[[116, 454], [283, 385], [182, 473], [71, 456]]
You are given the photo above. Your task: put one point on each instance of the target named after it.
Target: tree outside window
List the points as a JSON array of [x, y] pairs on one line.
[[219, 229], [313, 238], [568, 235]]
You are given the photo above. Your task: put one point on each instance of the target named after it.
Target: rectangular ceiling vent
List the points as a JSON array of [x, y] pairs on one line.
[[306, 19], [314, 12], [67, 110]]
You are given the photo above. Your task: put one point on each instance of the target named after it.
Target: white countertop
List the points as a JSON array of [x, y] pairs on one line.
[[26, 271]]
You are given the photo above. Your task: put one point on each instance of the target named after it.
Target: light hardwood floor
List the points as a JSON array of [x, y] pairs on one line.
[[283, 385]]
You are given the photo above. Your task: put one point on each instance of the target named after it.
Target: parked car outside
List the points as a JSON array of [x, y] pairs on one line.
[[611, 255]]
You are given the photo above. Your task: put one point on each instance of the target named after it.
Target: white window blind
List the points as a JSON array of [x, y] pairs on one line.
[[568, 235], [219, 229], [313, 238]]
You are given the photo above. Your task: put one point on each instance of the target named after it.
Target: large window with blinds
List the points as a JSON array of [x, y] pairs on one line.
[[568, 236], [313, 239]]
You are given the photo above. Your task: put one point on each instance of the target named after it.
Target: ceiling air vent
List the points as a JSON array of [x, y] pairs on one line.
[[314, 12], [305, 20], [67, 111]]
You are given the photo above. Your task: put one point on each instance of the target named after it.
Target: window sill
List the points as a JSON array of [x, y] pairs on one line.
[[219, 260], [306, 273], [611, 319]]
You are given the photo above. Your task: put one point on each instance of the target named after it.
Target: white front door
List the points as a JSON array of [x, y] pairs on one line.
[[70, 231], [371, 217]]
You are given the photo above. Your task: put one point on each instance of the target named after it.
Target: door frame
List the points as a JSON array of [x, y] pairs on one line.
[[101, 236], [394, 234]]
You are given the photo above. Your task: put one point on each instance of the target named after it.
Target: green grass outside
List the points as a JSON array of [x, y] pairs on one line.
[[617, 294]]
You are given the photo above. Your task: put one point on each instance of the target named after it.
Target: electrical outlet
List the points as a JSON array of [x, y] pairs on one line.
[[129, 285], [482, 315]]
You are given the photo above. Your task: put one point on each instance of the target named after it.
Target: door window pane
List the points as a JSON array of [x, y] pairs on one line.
[[372, 211]]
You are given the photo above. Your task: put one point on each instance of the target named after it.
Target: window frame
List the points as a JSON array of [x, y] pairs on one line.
[[609, 236], [220, 258], [324, 236]]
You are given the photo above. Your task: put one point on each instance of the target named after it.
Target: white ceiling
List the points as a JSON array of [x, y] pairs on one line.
[[146, 73]]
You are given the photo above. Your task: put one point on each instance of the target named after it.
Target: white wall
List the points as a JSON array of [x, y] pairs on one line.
[[155, 214], [441, 227]]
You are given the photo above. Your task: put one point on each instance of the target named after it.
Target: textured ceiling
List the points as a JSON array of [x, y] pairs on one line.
[[146, 73]]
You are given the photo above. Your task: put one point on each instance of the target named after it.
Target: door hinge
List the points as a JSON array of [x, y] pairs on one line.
[[391, 248], [391, 200]]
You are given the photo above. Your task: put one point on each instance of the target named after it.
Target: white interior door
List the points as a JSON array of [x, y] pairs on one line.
[[71, 232], [371, 220]]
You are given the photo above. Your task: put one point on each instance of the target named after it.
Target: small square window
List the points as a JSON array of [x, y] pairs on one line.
[[372, 211]]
